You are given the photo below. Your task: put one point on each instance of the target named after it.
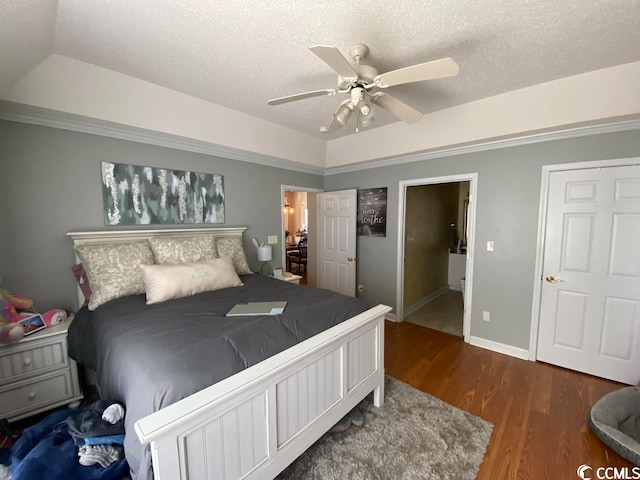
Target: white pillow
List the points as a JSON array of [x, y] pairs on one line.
[[164, 282]]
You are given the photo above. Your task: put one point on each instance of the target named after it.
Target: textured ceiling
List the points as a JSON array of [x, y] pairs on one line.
[[26, 36], [239, 54]]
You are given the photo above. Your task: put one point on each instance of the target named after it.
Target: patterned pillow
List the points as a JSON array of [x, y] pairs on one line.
[[232, 247], [114, 269], [164, 282], [172, 251]]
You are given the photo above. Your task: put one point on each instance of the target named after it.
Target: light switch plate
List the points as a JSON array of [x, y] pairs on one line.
[[272, 239], [490, 246]]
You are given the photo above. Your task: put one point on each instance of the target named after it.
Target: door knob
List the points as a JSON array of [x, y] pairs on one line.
[[552, 279], [351, 259]]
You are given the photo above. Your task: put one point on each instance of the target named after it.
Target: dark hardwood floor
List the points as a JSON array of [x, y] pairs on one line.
[[539, 411]]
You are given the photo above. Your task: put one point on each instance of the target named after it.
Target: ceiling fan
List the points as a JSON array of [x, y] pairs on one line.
[[361, 82]]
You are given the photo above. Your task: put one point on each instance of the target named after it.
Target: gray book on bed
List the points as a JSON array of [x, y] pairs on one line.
[[257, 308]]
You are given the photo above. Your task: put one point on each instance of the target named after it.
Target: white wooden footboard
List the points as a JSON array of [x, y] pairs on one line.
[[255, 423]]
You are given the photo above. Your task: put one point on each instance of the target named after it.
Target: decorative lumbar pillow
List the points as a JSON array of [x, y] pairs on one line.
[[114, 269], [171, 251], [232, 247], [164, 282]]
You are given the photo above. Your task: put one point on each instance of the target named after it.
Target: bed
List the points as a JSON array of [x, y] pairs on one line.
[[284, 381]]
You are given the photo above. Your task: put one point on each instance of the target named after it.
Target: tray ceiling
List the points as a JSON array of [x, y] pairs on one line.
[[239, 54]]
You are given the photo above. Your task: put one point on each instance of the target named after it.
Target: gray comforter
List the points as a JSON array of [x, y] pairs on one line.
[[150, 356]]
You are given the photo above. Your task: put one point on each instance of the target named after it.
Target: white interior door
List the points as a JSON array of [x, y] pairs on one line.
[[590, 303], [337, 241]]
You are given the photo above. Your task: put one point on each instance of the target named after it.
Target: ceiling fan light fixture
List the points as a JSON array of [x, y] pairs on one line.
[[343, 114], [365, 110], [360, 81], [366, 122]]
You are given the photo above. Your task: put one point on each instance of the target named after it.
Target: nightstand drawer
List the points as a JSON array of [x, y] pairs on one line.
[[28, 360], [21, 398]]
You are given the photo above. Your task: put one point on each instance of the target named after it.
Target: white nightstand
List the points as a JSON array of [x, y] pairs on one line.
[[291, 278], [36, 374]]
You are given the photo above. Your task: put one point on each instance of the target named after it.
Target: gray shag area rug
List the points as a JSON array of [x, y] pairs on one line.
[[413, 436]]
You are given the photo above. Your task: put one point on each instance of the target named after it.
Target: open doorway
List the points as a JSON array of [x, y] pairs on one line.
[[435, 239], [299, 232]]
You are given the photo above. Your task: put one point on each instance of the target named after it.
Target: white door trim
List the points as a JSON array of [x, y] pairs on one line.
[[283, 245], [472, 178], [542, 222]]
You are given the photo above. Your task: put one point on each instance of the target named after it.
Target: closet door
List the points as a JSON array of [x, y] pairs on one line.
[[590, 304]]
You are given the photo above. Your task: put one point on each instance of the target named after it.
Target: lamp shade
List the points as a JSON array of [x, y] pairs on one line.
[[343, 114], [366, 122], [264, 253], [365, 110]]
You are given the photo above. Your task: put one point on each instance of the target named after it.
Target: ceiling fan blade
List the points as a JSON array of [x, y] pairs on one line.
[[445, 67], [396, 107], [332, 57], [334, 126], [301, 96]]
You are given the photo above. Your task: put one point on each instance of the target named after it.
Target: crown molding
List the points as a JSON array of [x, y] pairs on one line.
[[528, 139], [20, 113]]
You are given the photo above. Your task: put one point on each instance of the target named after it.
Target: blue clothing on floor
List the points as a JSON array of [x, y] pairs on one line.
[[89, 423], [47, 450], [5, 455], [32, 435], [107, 440]]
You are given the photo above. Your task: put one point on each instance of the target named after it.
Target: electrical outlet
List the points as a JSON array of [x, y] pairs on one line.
[[486, 316], [272, 239]]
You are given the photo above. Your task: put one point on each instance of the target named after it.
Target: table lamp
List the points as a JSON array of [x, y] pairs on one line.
[[264, 255]]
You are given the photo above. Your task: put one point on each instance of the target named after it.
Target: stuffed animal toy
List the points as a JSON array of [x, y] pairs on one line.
[[10, 305], [54, 317], [11, 332]]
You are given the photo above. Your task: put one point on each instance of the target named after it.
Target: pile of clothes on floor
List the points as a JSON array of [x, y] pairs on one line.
[[72, 444]]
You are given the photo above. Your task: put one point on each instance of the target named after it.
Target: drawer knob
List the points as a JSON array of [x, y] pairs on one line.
[[27, 361], [32, 395]]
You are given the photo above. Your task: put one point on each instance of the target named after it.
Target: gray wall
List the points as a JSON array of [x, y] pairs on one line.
[[50, 184], [507, 213]]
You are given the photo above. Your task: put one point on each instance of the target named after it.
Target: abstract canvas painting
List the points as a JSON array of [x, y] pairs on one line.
[[134, 194]]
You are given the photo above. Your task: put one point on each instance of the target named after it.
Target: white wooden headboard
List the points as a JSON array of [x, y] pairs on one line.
[[121, 236]]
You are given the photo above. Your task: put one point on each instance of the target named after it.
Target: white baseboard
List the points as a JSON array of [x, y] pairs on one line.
[[391, 317], [499, 347], [421, 303], [455, 288]]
